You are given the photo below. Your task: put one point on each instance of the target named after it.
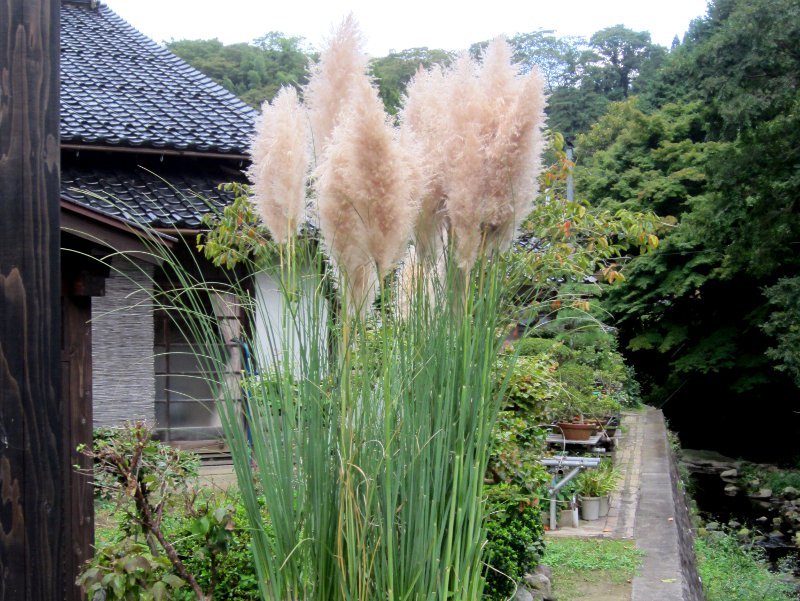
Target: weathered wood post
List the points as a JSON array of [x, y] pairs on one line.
[[34, 472]]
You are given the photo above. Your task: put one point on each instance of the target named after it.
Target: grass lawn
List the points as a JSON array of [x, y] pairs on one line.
[[592, 569]]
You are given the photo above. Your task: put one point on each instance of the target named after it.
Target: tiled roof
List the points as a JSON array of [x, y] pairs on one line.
[[120, 88], [154, 195]]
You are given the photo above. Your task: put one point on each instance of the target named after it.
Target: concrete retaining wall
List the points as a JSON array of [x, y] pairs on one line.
[[692, 587]]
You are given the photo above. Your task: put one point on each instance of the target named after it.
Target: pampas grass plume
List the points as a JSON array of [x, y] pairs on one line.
[[368, 185], [481, 127], [341, 63], [280, 161]]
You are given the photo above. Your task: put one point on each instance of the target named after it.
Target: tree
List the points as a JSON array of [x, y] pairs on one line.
[[616, 58], [711, 315], [394, 71], [254, 72], [556, 58]]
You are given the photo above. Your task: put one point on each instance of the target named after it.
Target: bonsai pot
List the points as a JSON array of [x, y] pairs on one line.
[[590, 508], [575, 431], [604, 505]]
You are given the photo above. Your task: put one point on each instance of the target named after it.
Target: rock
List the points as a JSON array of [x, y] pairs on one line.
[[712, 526], [539, 585], [762, 520], [763, 493], [707, 462], [524, 594], [544, 571], [731, 490], [702, 532], [734, 525], [776, 534], [730, 474], [777, 521], [764, 504], [759, 539], [790, 492], [743, 533]]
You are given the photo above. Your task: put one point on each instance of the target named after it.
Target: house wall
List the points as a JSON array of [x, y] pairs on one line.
[[123, 386], [269, 331]]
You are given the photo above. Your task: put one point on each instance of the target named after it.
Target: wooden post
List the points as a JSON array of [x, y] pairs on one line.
[[33, 474]]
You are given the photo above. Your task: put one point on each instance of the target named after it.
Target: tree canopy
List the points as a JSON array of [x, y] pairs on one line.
[[715, 142]]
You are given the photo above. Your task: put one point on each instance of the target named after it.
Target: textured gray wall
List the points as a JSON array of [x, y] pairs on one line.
[[123, 377]]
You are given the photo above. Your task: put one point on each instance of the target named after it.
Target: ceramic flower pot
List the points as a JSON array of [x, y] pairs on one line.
[[590, 508], [577, 431], [604, 505]]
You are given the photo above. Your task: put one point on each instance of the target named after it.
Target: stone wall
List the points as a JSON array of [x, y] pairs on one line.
[[693, 588], [123, 377]]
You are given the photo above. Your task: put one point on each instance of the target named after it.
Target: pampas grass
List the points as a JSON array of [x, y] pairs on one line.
[[483, 126], [421, 119], [280, 160], [326, 94], [371, 433], [368, 186]]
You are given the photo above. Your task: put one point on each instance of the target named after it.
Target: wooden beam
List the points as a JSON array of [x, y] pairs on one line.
[[35, 479]]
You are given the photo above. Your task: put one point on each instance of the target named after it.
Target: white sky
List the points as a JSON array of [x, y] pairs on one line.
[[447, 24]]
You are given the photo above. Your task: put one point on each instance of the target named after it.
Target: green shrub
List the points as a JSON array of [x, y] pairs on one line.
[[515, 539], [517, 446], [235, 573], [527, 347], [731, 572], [530, 385], [156, 456]]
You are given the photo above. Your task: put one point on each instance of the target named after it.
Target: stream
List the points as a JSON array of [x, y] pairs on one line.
[[770, 530]]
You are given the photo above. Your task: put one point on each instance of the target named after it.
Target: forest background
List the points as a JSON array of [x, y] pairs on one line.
[[707, 135]]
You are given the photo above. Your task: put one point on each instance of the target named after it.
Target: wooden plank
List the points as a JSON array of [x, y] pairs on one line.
[[76, 389], [32, 462]]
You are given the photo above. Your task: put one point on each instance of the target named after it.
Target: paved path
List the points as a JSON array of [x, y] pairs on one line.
[[655, 531], [622, 507], [642, 508]]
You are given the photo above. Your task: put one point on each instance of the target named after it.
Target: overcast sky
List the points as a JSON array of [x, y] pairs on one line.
[[447, 24]]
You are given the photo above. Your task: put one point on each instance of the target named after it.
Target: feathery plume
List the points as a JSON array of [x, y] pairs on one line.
[[280, 159], [368, 184], [421, 120], [492, 136], [340, 64]]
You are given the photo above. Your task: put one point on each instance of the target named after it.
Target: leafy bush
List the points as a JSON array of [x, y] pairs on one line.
[[515, 539], [517, 447], [149, 483], [554, 349], [155, 458], [530, 384], [731, 572], [234, 574]]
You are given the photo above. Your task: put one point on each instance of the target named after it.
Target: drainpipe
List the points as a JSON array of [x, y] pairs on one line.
[[570, 184]]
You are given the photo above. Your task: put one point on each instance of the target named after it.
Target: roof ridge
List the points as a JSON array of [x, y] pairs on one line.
[[171, 56], [122, 88]]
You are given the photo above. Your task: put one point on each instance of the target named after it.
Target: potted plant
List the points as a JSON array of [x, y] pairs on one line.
[[608, 476], [590, 486], [573, 401], [595, 487]]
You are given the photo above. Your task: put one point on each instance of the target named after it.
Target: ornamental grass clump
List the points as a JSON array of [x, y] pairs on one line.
[[368, 183], [486, 136], [370, 424], [280, 162]]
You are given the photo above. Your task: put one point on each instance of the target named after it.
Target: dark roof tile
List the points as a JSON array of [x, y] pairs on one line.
[[141, 196], [119, 87]]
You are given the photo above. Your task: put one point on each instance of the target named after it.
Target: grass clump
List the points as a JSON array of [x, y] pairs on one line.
[[732, 572], [602, 565]]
